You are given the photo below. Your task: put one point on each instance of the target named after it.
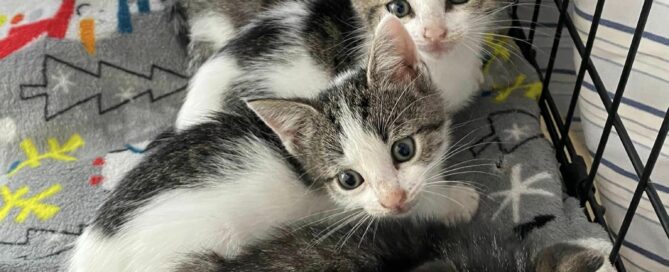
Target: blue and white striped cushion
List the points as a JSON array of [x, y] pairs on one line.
[[645, 102]]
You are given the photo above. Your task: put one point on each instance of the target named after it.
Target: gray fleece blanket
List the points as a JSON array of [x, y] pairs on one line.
[[78, 105]]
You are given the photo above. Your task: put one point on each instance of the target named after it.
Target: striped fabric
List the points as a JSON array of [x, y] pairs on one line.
[[645, 102]]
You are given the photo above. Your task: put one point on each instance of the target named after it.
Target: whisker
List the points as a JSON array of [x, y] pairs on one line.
[[353, 230], [338, 227], [451, 168], [459, 188], [462, 124], [446, 197], [473, 172], [320, 220], [371, 221], [455, 170]]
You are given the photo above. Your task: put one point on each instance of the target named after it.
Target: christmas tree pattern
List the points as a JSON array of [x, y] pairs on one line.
[[66, 86], [506, 138], [40, 243]]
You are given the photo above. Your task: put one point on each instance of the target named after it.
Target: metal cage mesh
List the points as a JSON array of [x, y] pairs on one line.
[[579, 180]]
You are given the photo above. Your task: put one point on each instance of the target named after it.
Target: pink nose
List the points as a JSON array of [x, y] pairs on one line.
[[435, 34], [394, 199]]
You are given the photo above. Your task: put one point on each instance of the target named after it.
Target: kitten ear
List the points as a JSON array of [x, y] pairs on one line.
[[393, 56], [290, 120]]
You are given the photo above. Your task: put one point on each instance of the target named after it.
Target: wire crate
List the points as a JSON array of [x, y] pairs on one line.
[[579, 180]]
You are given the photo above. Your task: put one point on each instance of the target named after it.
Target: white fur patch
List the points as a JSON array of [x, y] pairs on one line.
[[212, 27], [452, 205], [300, 77], [292, 13], [457, 75], [222, 217], [367, 154], [343, 77], [206, 91], [366, 151]]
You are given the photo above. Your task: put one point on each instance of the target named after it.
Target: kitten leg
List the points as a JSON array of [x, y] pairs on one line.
[[464, 204]]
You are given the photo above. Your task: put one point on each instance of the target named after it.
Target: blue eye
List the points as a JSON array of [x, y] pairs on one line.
[[404, 150], [399, 8], [349, 180]]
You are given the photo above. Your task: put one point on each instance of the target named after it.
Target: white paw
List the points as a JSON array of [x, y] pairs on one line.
[[469, 199], [459, 205], [450, 205]]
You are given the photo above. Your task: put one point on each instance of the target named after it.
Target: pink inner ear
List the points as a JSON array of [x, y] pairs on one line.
[[402, 55], [283, 129], [402, 41]]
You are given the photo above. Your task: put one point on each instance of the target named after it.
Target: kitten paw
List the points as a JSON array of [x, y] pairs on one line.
[[470, 199], [463, 203]]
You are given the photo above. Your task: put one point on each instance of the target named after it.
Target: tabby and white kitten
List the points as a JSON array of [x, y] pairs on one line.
[[450, 38], [366, 146], [400, 246], [296, 47]]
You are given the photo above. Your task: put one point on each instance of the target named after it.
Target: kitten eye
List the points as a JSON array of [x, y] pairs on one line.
[[400, 8], [458, 2], [349, 180], [403, 150]]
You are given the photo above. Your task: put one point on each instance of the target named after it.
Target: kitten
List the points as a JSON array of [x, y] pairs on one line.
[[367, 146], [400, 246], [449, 35], [296, 47]]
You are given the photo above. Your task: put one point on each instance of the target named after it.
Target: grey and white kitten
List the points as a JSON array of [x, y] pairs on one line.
[[366, 146], [400, 246], [294, 48]]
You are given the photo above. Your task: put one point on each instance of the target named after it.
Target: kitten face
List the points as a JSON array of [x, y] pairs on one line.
[[437, 26], [383, 143], [375, 137]]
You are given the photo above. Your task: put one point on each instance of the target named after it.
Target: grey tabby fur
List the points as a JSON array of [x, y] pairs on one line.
[[239, 12], [399, 246], [327, 32]]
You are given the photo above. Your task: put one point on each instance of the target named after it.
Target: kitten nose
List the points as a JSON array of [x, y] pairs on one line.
[[435, 33], [394, 199]]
